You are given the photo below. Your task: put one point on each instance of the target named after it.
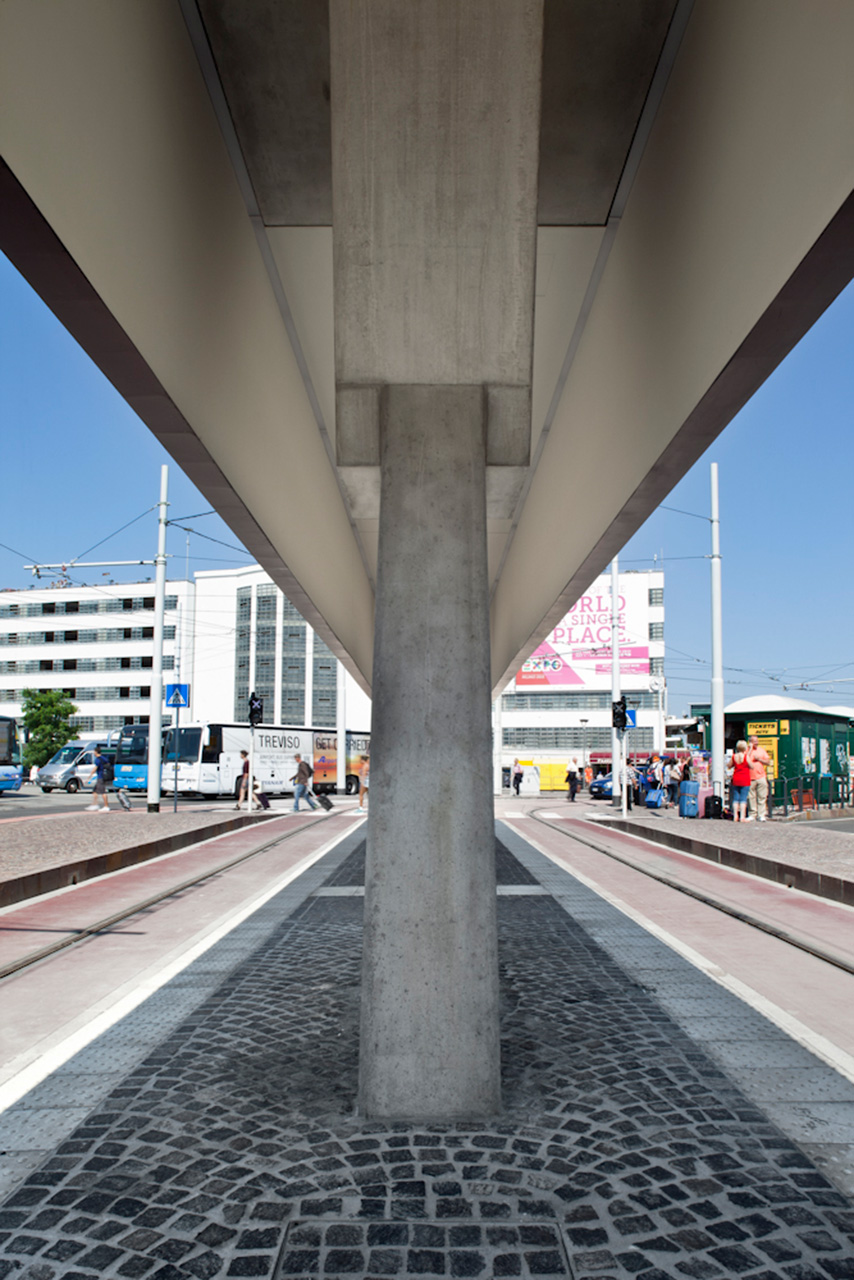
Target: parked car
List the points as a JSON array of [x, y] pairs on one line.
[[600, 788], [71, 767]]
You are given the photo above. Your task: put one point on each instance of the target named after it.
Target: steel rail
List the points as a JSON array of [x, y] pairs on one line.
[[801, 941], [101, 926]]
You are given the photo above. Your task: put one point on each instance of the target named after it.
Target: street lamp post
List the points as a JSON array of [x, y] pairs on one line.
[[583, 750]]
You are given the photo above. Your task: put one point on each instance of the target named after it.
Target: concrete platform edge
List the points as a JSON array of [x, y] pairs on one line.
[[35, 883], [824, 886]]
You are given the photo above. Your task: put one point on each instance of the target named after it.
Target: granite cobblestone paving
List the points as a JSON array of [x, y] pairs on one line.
[[233, 1148]]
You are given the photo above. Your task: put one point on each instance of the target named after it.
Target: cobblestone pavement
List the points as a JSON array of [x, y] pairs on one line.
[[231, 1148]]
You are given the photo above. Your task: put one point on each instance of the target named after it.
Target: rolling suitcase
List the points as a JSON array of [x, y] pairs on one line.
[[324, 802], [688, 806], [713, 807], [262, 799], [655, 798], [124, 799]]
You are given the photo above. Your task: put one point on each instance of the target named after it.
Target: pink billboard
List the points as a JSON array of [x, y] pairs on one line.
[[577, 653]]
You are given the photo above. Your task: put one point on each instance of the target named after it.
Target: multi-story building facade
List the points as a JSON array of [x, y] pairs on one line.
[[96, 643], [225, 634], [559, 704], [250, 638]]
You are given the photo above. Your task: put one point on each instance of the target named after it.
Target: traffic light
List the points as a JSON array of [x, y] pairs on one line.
[[619, 719], [256, 709]]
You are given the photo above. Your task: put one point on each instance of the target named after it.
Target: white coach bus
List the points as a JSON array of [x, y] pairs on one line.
[[209, 762]]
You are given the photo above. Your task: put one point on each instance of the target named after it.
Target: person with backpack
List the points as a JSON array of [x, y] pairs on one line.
[[103, 775], [301, 780]]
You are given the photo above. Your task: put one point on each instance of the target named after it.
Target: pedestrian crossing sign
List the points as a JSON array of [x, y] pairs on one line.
[[177, 695]]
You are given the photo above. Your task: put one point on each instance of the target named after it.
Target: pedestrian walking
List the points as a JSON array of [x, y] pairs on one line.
[[572, 779], [518, 772], [364, 783], [301, 780], [243, 793], [759, 759], [99, 773]]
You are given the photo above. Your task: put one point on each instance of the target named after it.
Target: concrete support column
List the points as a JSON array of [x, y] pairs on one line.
[[429, 1040]]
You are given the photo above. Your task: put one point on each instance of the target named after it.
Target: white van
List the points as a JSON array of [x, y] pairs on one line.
[[71, 767]]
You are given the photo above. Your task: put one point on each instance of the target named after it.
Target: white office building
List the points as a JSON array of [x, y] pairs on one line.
[[250, 638], [559, 704], [225, 634], [96, 643]]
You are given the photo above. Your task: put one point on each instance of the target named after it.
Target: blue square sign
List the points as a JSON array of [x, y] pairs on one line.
[[177, 695]]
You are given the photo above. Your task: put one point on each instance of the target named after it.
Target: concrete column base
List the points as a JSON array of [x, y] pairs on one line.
[[429, 1038]]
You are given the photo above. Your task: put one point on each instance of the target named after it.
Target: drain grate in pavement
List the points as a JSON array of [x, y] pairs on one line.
[[320, 1250]]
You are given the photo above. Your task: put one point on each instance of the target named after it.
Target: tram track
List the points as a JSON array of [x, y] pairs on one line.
[[108, 922], [799, 940]]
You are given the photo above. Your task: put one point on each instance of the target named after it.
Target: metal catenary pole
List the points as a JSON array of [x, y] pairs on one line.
[[250, 790], [616, 742], [717, 700], [155, 717], [341, 727], [498, 739], [177, 750]]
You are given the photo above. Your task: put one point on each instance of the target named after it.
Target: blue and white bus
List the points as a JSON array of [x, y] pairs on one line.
[[11, 774], [131, 765]]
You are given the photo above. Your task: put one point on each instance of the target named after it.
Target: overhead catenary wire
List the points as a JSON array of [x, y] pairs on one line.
[[114, 534]]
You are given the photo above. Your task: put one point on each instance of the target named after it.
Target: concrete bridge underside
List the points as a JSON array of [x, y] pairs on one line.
[[435, 302]]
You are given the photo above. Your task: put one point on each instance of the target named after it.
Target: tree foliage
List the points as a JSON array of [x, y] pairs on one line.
[[46, 717]]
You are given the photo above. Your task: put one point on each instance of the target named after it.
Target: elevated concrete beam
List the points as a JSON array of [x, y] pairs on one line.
[[720, 264], [435, 118], [129, 221]]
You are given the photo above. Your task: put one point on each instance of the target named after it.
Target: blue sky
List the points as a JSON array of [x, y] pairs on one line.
[[78, 465]]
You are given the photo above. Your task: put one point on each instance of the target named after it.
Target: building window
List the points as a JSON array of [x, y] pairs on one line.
[[127, 605], [242, 643], [45, 664], [48, 607], [72, 606], [148, 602], [656, 666], [656, 631], [265, 601], [656, 597], [124, 691], [325, 696], [587, 701], [49, 637], [290, 613], [581, 738], [69, 664], [71, 637]]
